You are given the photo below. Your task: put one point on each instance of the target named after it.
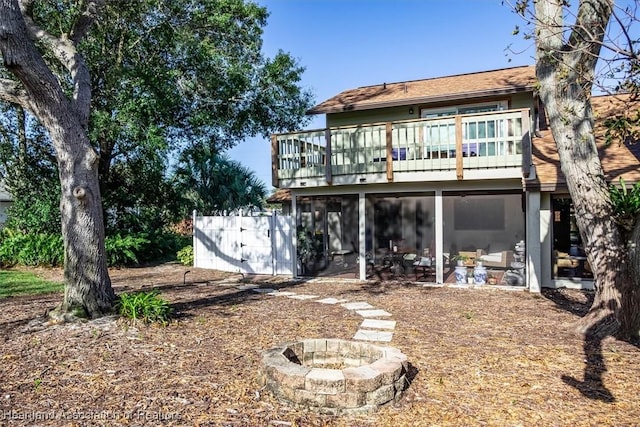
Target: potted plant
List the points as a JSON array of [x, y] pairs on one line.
[[460, 260], [309, 246], [461, 269], [470, 277]]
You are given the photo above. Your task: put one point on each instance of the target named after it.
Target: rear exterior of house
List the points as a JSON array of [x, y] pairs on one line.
[[407, 178]]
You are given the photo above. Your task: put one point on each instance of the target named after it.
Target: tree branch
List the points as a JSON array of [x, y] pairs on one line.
[[12, 92], [86, 20], [589, 30], [65, 51], [629, 52], [617, 40]]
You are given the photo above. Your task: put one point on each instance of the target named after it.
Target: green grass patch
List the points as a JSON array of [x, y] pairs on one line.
[[14, 283]]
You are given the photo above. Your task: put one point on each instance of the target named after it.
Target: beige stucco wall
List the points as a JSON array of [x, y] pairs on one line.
[[521, 100], [379, 115], [382, 115]]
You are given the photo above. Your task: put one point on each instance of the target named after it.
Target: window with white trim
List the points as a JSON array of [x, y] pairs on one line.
[[483, 107], [480, 135]]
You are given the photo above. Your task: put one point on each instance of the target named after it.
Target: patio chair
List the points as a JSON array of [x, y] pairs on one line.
[[425, 264]]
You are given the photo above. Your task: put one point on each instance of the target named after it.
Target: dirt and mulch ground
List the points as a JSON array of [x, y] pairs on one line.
[[478, 357]]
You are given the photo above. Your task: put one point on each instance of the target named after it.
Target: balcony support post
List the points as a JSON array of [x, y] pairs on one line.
[[526, 144], [459, 153], [275, 161], [362, 236], [327, 157], [389, 152]]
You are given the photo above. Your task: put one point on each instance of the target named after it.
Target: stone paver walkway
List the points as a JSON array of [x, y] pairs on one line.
[[378, 324], [372, 329]]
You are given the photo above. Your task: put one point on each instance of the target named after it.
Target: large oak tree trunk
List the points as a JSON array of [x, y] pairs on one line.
[[565, 71], [88, 290]]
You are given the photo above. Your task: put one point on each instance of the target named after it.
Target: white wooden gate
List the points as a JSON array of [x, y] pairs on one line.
[[244, 244]]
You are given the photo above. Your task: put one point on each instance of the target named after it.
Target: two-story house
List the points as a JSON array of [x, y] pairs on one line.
[[422, 173]]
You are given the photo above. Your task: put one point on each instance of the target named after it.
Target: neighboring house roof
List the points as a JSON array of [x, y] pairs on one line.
[[281, 195], [449, 88], [5, 196], [618, 159]]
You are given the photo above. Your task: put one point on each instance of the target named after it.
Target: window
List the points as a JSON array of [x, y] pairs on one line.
[[432, 113], [479, 133]]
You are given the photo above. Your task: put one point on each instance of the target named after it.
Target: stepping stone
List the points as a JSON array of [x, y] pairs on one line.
[[331, 301], [303, 297], [263, 290], [378, 324], [281, 293], [357, 306], [246, 287], [373, 313], [381, 336]]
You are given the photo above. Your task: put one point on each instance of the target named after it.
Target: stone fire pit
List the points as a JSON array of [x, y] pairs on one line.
[[334, 376]]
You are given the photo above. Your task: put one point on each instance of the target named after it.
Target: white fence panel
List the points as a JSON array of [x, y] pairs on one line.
[[244, 244], [215, 243], [282, 237], [255, 241]]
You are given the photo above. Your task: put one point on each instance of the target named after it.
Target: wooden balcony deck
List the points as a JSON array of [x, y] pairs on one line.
[[472, 146]]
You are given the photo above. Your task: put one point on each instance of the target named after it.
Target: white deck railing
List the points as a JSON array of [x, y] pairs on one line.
[[456, 143]]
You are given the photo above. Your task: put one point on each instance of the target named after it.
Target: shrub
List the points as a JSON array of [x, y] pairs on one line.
[[30, 249], [17, 247], [124, 250], [185, 255], [145, 306], [626, 203], [36, 204], [162, 246]]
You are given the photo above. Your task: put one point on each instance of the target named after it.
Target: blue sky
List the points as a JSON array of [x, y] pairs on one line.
[[344, 44]]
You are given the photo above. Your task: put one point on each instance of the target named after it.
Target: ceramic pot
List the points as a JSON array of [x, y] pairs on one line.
[[480, 274], [461, 274]]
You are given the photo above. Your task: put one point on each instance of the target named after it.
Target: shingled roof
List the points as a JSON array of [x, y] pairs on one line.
[[281, 195], [462, 86], [619, 158]]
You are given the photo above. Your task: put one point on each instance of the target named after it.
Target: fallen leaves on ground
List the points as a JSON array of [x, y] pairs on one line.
[[478, 356]]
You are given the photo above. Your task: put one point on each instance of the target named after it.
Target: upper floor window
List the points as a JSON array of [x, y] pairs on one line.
[[430, 113]]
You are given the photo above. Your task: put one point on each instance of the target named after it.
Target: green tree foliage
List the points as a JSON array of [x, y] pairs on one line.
[[27, 168], [212, 183], [165, 76], [172, 74]]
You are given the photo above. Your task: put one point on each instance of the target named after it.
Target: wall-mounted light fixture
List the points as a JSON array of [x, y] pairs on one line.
[[410, 110]]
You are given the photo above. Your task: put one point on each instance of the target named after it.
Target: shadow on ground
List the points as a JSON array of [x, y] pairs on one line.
[[578, 303]]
